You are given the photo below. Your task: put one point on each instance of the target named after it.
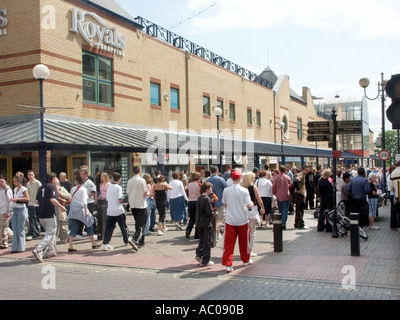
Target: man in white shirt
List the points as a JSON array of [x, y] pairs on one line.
[[92, 195], [115, 212], [137, 193], [33, 186], [236, 199], [264, 185]]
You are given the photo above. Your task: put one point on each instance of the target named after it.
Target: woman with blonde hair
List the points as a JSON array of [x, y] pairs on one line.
[[151, 204], [253, 215], [64, 198], [177, 198], [102, 203], [325, 188]]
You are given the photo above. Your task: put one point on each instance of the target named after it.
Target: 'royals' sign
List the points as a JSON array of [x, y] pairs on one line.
[[95, 31], [3, 22]]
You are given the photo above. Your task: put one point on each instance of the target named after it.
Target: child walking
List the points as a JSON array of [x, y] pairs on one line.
[[204, 216]]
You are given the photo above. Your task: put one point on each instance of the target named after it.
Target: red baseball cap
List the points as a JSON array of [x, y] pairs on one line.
[[236, 175]]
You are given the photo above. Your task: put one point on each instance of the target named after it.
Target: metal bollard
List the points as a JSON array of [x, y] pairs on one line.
[[278, 236], [354, 235]]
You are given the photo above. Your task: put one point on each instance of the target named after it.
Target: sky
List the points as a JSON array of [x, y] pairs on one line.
[[327, 46]]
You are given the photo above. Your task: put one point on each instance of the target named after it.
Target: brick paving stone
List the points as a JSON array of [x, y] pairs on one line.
[[309, 257]]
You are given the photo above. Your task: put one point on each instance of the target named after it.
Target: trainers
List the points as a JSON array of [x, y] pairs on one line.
[[198, 259], [133, 244], [248, 263], [78, 237], [178, 226], [210, 263], [253, 254], [228, 269], [304, 228], [375, 228], [37, 255], [160, 233], [107, 247]]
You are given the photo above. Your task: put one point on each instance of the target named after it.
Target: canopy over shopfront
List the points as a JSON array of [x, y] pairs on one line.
[[23, 133]]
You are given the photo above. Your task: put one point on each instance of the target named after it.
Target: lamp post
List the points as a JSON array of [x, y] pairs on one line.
[[364, 83], [282, 126], [41, 73], [218, 113]]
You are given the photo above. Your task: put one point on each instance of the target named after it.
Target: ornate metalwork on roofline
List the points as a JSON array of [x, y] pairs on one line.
[[324, 115], [177, 41]]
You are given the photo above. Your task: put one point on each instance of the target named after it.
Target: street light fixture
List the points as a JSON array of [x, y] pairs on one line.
[[218, 113], [282, 125], [364, 83], [41, 73]]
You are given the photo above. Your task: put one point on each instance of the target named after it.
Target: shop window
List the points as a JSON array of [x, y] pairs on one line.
[[97, 79], [174, 96], [155, 89]]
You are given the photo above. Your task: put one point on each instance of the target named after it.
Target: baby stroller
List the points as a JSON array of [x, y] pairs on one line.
[[317, 208]]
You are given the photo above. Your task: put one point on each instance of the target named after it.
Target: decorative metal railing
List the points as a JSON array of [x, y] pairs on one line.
[[324, 115], [177, 41]]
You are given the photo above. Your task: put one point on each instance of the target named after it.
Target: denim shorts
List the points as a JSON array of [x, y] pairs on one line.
[[74, 225]]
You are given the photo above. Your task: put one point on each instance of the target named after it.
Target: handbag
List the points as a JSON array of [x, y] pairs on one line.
[[64, 202], [62, 216]]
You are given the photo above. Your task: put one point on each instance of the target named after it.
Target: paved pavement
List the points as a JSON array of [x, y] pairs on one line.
[[312, 266]]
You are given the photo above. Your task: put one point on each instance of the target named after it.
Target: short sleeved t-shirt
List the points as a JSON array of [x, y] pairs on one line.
[[80, 196], [236, 198], [44, 195], [114, 206]]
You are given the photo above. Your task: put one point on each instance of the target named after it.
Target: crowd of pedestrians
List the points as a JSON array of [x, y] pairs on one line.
[[210, 203]]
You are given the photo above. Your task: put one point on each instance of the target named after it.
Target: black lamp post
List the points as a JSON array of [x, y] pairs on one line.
[[218, 113], [364, 83], [41, 73]]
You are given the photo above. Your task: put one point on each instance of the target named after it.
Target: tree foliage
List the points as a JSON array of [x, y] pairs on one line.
[[390, 145]]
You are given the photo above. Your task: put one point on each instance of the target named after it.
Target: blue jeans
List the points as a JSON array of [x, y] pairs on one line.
[[283, 207], [373, 206], [151, 212], [34, 228], [18, 222]]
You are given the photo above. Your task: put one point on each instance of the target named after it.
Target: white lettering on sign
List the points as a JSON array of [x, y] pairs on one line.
[[97, 33], [3, 22]]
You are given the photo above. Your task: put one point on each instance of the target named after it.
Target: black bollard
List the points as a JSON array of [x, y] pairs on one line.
[[278, 236], [354, 235], [335, 233]]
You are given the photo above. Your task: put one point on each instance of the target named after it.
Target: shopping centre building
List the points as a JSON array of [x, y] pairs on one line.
[[124, 91]]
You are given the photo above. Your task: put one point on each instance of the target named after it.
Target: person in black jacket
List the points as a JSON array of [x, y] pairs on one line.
[[326, 194], [204, 216]]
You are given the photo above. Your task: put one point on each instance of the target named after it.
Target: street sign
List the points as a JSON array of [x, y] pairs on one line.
[[318, 131], [349, 127], [384, 155], [318, 124], [318, 137]]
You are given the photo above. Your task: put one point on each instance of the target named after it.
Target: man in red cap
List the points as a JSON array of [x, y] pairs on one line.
[[236, 199]]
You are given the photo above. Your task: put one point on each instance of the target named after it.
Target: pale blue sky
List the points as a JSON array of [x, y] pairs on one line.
[[325, 46]]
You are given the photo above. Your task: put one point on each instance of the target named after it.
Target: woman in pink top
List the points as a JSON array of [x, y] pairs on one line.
[[102, 203]]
